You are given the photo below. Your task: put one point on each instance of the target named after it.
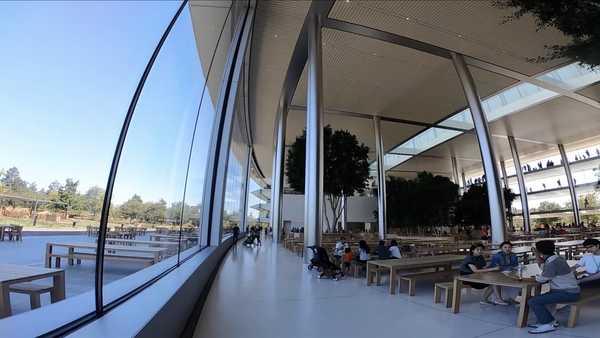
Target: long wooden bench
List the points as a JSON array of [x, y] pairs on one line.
[[34, 291], [587, 295], [411, 278], [79, 256]]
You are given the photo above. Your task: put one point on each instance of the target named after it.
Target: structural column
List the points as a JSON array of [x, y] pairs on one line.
[[523, 190], [454, 170], [344, 212], [381, 197], [504, 176], [313, 186], [277, 176], [464, 181], [495, 195], [244, 214], [574, 203]]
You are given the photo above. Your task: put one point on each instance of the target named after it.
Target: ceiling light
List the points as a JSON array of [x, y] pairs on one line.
[[407, 18], [460, 36], [276, 36], [374, 54]]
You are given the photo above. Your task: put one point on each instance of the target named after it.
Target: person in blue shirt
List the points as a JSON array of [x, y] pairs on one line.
[[505, 261]]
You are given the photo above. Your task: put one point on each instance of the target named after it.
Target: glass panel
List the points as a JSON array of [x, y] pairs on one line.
[[67, 78], [236, 173], [148, 197], [572, 77]]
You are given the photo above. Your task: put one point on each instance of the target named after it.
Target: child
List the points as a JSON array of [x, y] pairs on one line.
[[346, 260]]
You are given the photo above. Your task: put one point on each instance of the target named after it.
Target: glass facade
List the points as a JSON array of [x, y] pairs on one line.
[[155, 214]]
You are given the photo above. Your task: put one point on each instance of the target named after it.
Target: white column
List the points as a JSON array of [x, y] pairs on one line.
[[521, 180], [313, 185], [567, 167], [277, 176], [495, 195], [381, 197]]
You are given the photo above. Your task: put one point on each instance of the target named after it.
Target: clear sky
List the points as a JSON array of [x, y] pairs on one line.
[[67, 74]]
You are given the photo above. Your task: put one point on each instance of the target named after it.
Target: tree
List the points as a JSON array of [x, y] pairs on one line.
[[93, 200], [548, 206], [132, 208], [11, 179], [155, 212], [473, 207], [346, 168], [577, 19]]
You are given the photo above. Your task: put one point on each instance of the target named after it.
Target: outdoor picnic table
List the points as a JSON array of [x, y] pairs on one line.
[[170, 245], [4, 227], [13, 274], [527, 285], [395, 265], [155, 252], [570, 246]]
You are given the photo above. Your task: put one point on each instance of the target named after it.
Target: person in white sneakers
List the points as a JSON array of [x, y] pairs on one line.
[[563, 286]]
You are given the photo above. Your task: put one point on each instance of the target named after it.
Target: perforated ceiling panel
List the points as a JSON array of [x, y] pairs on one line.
[[474, 28]]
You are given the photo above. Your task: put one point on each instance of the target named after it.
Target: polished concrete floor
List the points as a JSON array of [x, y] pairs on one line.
[[267, 292]]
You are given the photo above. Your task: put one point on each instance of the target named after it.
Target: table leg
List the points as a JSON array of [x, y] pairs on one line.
[[5, 309], [524, 308], [48, 260], [368, 272], [58, 291], [457, 291], [378, 276], [392, 281], [71, 252]]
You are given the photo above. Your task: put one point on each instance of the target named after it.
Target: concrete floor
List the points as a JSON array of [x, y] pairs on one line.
[[267, 292], [79, 278]]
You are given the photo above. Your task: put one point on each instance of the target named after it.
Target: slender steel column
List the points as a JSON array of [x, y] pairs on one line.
[[464, 181], [495, 196], [244, 212], [523, 190], [565, 161], [344, 212], [381, 197], [504, 176], [313, 186], [277, 176], [454, 170]]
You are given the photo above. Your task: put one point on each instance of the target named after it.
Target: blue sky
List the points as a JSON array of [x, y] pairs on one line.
[[67, 74]]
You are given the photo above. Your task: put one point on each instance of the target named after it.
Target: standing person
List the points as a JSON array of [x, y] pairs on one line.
[[475, 263], [340, 248], [394, 249], [257, 235], [563, 286], [236, 233], [347, 260]]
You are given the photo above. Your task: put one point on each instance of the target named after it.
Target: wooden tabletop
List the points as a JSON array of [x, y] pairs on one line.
[[15, 273], [135, 241], [93, 246], [508, 279], [417, 262]]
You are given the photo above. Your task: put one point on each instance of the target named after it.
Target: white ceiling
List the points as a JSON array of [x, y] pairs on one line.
[[378, 78]]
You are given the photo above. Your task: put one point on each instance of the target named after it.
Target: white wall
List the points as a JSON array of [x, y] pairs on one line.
[[360, 209]]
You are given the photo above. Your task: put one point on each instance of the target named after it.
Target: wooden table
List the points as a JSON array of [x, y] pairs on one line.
[[395, 265], [170, 245], [154, 252], [13, 274], [527, 285], [3, 228]]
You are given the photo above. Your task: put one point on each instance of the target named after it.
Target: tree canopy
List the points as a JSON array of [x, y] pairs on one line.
[[577, 19], [346, 167]]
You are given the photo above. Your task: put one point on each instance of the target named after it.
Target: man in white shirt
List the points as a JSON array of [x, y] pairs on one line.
[[588, 267]]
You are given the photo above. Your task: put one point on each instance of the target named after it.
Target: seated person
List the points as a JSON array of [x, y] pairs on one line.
[[363, 252], [588, 267], [382, 251], [563, 286], [340, 247], [394, 250], [505, 261], [474, 263]]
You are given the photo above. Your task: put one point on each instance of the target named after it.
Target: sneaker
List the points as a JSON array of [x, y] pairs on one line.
[[500, 302], [486, 302], [554, 323], [543, 328]]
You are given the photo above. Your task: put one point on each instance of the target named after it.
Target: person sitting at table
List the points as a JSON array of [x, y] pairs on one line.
[[363, 252], [590, 263], [346, 260], [505, 261], [382, 251], [340, 247], [474, 263], [563, 286], [394, 249]]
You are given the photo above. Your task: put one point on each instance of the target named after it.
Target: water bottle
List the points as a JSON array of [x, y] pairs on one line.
[[520, 271]]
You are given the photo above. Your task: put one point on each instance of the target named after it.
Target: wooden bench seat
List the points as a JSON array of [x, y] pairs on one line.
[[448, 287], [78, 256], [34, 291], [587, 295], [411, 278]]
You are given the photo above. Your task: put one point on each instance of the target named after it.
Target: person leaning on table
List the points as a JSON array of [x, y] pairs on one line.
[[587, 269], [563, 286]]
